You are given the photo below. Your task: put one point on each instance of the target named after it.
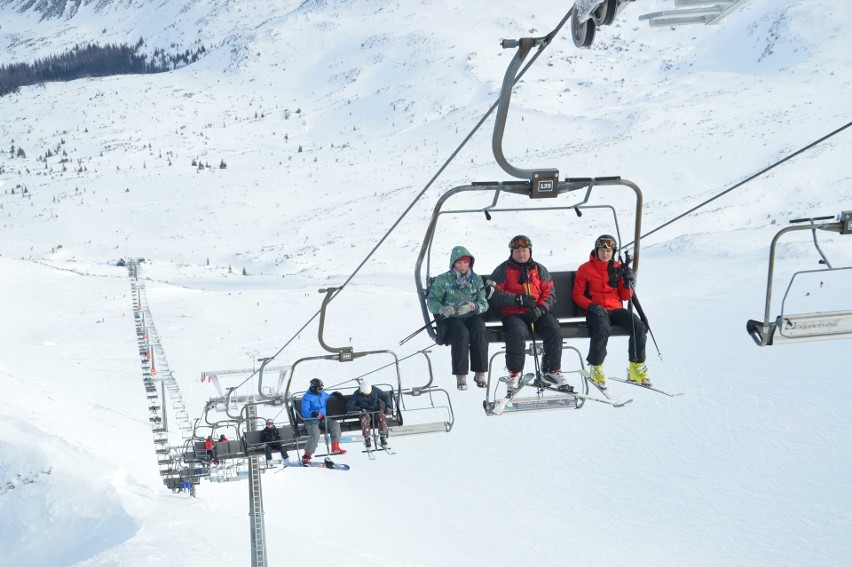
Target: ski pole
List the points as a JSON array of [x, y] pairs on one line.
[[634, 300], [415, 333]]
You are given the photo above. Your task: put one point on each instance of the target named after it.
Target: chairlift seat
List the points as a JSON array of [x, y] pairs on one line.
[[802, 328], [571, 318], [336, 408], [254, 445], [228, 450]]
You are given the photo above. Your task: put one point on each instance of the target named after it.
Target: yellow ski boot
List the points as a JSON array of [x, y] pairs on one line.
[[598, 376], [637, 373]]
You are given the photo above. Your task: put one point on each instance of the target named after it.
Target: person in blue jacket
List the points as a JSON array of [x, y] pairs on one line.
[[314, 413]]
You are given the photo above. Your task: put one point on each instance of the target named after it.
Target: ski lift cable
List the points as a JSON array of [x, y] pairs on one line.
[[544, 44], [748, 179]]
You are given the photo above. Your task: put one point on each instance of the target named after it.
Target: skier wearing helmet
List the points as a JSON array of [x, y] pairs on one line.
[[524, 295], [600, 287], [314, 413]]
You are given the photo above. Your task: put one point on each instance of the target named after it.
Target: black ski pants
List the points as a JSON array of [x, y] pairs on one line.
[[468, 343], [518, 332], [599, 328], [275, 445]]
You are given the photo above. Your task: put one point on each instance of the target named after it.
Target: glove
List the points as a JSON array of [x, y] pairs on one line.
[[488, 288], [597, 310], [337, 394], [317, 415], [447, 311], [627, 276], [526, 301], [533, 315], [465, 308]]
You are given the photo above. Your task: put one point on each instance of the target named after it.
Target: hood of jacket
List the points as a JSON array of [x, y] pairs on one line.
[[458, 252]]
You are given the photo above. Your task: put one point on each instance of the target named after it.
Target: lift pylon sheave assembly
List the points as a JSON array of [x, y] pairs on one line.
[[823, 325], [538, 190]]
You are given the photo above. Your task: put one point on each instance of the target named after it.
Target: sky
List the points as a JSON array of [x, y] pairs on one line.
[[748, 467]]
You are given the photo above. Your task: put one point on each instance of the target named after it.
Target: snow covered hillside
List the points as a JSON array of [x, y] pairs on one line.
[[330, 116]]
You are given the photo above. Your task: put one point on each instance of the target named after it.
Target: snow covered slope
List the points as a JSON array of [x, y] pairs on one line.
[[331, 116]]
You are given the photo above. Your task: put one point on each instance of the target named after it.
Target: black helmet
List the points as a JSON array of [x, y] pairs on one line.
[[316, 385], [606, 241], [520, 241]]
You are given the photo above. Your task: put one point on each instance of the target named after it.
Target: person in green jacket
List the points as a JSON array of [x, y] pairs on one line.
[[457, 299]]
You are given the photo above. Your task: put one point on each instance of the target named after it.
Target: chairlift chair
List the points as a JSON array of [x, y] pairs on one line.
[[788, 327], [538, 190]]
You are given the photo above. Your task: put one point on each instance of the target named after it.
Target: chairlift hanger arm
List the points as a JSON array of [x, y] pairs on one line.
[[344, 353], [524, 45]]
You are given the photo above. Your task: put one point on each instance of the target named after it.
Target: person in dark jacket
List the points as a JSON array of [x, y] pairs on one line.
[[272, 438], [314, 413], [370, 402], [523, 292], [600, 287], [457, 298]]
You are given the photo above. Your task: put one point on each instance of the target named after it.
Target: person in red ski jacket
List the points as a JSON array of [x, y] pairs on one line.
[[601, 287], [522, 290], [208, 447]]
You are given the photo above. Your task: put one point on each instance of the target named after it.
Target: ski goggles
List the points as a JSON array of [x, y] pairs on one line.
[[520, 243], [605, 243]]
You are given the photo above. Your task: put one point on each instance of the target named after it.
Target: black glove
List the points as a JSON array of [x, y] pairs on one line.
[[534, 314], [526, 301], [385, 410], [627, 276], [597, 310], [337, 394]]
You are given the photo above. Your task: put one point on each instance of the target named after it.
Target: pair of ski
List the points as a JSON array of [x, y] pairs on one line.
[[529, 379], [371, 451], [645, 386]]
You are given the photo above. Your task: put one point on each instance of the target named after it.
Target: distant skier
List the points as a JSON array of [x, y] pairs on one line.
[[820, 285], [600, 287], [208, 448], [272, 439], [314, 413], [370, 402], [524, 295], [457, 298]]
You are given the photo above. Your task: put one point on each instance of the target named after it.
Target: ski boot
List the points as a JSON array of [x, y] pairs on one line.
[[555, 380], [461, 381], [479, 378], [598, 376], [637, 373], [513, 382], [367, 443], [383, 440], [306, 459]]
